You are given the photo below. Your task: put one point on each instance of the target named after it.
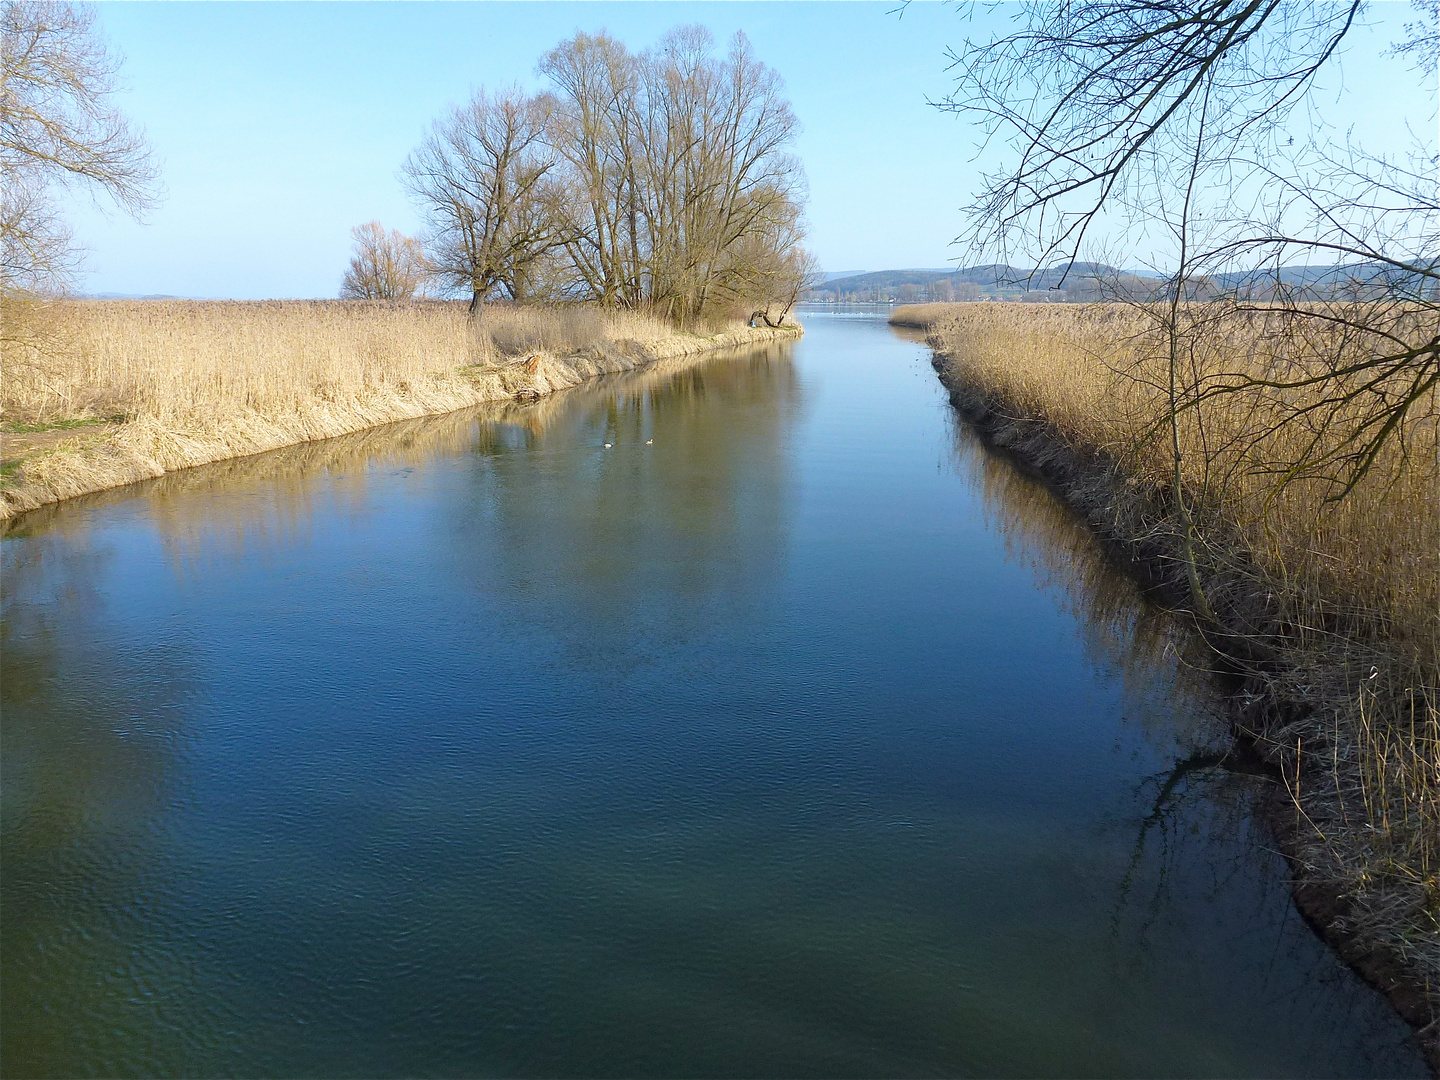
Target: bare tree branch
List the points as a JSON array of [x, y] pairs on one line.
[[59, 128]]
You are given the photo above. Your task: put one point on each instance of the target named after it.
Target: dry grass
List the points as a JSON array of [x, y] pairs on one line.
[[198, 381], [1343, 596], [1368, 563], [559, 331]]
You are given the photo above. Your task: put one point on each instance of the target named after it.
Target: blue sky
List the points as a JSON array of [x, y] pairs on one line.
[[278, 126]]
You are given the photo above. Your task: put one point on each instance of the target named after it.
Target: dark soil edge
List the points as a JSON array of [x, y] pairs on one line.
[[1091, 485]]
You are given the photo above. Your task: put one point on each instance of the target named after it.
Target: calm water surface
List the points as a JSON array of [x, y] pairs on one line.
[[793, 735]]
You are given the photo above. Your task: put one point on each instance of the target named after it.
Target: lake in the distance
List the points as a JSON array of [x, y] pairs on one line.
[[793, 735]]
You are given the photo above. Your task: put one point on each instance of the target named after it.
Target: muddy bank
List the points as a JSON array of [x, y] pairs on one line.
[[43, 467], [1271, 711]]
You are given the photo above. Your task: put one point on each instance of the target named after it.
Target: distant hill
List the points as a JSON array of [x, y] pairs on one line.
[[1355, 280], [843, 274], [128, 296], [1088, 281], [995, 281]]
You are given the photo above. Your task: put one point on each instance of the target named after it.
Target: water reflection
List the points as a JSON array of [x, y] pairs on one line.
[[1123, 633], [93, 738], [211, 514], [649, 509]]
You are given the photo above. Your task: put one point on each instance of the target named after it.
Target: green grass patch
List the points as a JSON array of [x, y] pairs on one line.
[[9, 471], [17, 427]]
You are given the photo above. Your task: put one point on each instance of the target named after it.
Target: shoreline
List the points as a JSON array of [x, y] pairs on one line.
[[114, 454], [1262, 716]]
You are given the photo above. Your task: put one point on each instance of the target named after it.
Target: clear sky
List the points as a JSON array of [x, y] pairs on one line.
[[278, 126]]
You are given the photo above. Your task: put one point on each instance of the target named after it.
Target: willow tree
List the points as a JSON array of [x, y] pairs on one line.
[[478, 177], [595, 129], [723, 193], [660, 180]]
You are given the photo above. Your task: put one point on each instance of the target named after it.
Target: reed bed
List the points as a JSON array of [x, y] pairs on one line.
[[1329, 606], [109, 392]]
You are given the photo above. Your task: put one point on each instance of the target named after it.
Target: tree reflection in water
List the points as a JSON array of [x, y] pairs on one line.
[[684, 514], [94, 747]]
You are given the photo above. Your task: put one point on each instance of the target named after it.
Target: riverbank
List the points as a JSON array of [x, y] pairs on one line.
[[99, 394], [1324, 610]]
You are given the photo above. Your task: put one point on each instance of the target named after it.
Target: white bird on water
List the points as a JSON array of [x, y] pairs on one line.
[[649, 442], [608, 445]]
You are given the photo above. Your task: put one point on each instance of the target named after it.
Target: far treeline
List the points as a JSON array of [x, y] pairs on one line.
[[660, 180]]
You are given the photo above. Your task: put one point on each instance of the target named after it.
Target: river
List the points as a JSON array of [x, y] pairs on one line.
[[741, 717]]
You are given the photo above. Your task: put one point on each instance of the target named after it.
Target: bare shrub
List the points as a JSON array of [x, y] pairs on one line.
[[387, 265]]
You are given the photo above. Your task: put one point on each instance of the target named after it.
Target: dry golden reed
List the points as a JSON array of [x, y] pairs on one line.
[[1369, 562], [172, 384]]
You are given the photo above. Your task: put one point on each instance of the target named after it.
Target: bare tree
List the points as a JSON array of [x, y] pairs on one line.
[[36, 250], [1093, 94], [796, 272], [386, 265], [478, 178], [596, 129], [58, 127], [661, 180], [724, 193], [679, 160], [1422, 37]]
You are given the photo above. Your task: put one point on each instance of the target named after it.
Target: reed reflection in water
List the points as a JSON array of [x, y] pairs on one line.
[[1201, 854]]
